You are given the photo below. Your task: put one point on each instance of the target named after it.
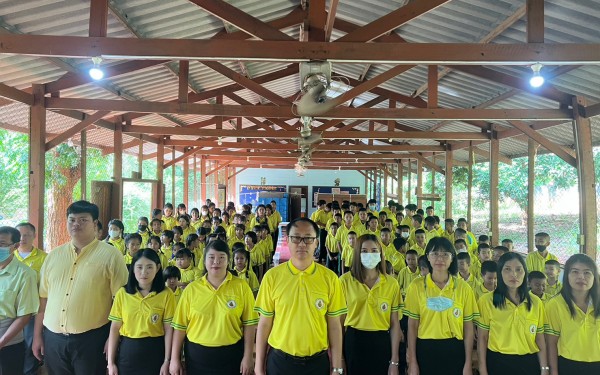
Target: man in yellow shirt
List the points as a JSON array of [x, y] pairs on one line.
[[78, 281], [536, 260], [300, 288], [33, 258], [18, 302]]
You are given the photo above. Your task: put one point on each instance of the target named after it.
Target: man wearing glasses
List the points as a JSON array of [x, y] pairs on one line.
[[18, 302], [300, 303]]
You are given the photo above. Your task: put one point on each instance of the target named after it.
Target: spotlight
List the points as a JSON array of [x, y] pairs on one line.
[[95, 72], [220, 141], [536, 80]]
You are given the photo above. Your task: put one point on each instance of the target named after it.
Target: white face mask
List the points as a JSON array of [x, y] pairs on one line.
[[405, 234], [372, 207], [461, 250], [370, 260], [114, 233]]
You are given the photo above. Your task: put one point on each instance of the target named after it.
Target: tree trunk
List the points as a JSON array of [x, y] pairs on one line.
[[59, 199]]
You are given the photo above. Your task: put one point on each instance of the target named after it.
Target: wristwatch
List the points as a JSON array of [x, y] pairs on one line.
[[338, 370]]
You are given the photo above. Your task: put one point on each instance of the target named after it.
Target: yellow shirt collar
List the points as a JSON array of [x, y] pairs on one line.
[[86, 248], [204, 280], [431, 284], [311, 269]]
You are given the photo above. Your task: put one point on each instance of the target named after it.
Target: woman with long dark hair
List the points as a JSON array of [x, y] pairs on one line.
[[573, 326], [511, 335]]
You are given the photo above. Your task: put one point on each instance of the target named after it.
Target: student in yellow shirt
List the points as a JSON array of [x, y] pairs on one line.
[[489, 279], [536, 260], [430, 231], [511, 325], [156, 226], [485, 254], [372, 329], [372, 226], [449, 229], [331, 245], [143, 230], [178, 234], [242, 269], [184, 260], [552, 270], [498, 251], [133, 243], [348, 251], [464, 265], [166, 239], [463, 225], [441, 308], [141, 316], [256, 254], [393, 251], [172, 276], [168, 218], [508, 243], [184, 223], [116, 231], [573, 320], [420, 242], [195, 221], [238, 236], [215, 314], [154, 244], [408, 273], [536, 282]]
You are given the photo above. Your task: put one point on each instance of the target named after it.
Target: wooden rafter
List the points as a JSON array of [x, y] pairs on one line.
[[535, 21], [546, 143], [78, 128], [333, 4], [15, 94], [333, 123], [98, 18], [317, 18]]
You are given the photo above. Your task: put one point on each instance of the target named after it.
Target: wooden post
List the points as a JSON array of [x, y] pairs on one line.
[[532, 152], [432, 86], [400, 182], [385, 186], [186, 181], [195, 180], [37, 162], [470, 184], [409, 190], [419, 190], [83, 156], [494, 195], [433, 181], [449, 178], [160, 161], [117, 191], [588, 217], [141, 158], [173, 171], [203, 179]]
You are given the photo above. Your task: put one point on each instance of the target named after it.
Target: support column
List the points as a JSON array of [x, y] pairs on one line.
[[400, 182], [419, 190], [117, 191], [160, 161], [494, 195], [588, 216], [433, 182], [385, 186], [173, 171], [449, 178], [409, 191], [532, 147], [470, 184], [37, 162], [83, 180], [203, 179], [195, 180], [186, 181], [140, 158]]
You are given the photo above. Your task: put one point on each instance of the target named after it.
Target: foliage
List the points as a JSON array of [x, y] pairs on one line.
[[14, 176]]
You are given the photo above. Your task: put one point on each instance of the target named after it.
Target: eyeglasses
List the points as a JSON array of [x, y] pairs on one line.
[[306, 240], [6, 244], [440, 255]]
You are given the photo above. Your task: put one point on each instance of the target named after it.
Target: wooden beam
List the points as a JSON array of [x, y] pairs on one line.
[[160, 160], [279, 122], [186, 181], [203, 180], [427, 162], [419, 189], [546, 143], [333, 123], [494, 194], [317, 18], [532, 148], [502, 158], [83, 161], [218, 168], [366, 176], [400, 180], [98, 18], [592, 110], [37, 162], [449, 182], [470, 185], [286, 112], [236, 173], [78, 128], [432, 85], [588, 216], [184, 69], [181, 157], [252, 50], [392, 21], [535, 21], [16, 94], [333, 4], [117, 190]]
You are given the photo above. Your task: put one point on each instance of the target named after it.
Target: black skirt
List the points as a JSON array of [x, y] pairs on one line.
[[444, 356], [143, 356], [569, 367], [502, 364], [367, 352], [219, 360]]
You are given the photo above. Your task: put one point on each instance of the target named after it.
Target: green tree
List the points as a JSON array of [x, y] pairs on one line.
[[14, 165]]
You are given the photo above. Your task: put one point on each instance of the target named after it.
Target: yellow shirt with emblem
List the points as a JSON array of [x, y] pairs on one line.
[[143, 316], [313, 294], [370, 309], [119, 243], [34, 260], [536, 262], [405, 277], [445, 324], [512, 329], [215, 317], [67, 278], [578, 336]]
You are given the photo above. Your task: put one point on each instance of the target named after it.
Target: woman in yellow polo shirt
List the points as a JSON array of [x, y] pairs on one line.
[[216, 316], [441, 308], [141, 319], [573, 320], [511, 335], [116, 231], [372, 323]]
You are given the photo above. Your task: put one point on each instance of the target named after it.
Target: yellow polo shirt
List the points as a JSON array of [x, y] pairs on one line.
[[420, 250], [552, 290], [67, 278], [257, 255], [405, 277], [119, 244], [347, 255], [331, 244], [170, 222], [256, 221], [309, 296], [445, 324], [143, 316], [395, 257], [472, 281], [512, 329], [250, 277], [371, 309], [342, 234], [480, 291], [578, 336], [34, 260], [536, 262], [215, 317], [190, 274]]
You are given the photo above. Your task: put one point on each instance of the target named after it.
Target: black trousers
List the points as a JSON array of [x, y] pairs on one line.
[[322, 248], [568, 367], [77, 354], [141, 356], [220, 360], [367, 352], [403, 345], [334, 264], [500, 364], [437, 357], [12, 358], [280, 363]]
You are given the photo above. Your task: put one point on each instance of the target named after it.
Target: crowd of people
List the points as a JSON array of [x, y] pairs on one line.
[[365, 292]]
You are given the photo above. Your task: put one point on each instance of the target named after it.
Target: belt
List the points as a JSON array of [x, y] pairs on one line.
[[296, 358]]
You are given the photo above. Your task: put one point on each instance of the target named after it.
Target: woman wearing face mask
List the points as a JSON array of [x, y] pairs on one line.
[[115, 235], [374, 310], [441, 308]]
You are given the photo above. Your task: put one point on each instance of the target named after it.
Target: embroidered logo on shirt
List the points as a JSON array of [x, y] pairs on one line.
[[320, 303], [456, 312], [532, 329], [231, 304], [384, 307], [154, 318]]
